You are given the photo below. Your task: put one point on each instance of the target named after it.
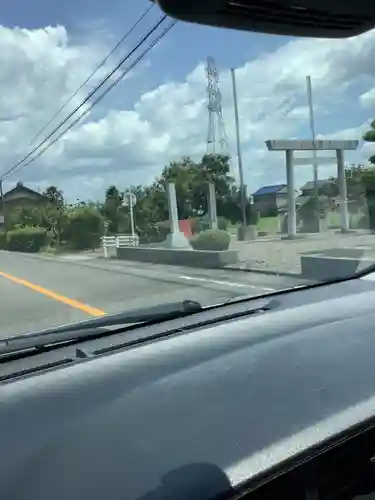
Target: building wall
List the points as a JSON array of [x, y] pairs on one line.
[[270, 203], [18, 200], [264, 204]]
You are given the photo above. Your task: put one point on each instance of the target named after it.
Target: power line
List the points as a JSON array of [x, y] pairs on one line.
[[87, 98], [100, 65], [101, 96]]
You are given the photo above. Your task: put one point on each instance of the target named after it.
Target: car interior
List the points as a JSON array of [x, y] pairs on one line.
[[342, 468], [309, 18]]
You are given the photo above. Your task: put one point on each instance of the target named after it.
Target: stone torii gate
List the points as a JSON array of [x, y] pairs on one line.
[[289, 147]]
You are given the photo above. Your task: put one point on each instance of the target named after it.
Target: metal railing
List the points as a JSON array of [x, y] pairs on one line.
[[119, 241]]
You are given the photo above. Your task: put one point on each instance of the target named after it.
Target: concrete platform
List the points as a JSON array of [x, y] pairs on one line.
[[179, 257], [334, 263]]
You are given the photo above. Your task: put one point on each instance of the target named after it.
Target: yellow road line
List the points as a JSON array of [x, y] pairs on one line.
[[93, 311]]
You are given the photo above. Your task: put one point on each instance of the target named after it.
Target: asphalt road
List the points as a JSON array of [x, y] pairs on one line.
[[38, 292]]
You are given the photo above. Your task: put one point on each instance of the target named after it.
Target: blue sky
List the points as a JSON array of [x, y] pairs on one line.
[[342, 72]]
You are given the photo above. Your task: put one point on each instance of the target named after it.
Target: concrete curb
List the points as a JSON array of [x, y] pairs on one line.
[[265, 271]]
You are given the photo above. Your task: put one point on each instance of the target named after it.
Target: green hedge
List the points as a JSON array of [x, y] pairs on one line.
[[27, 239], [83, 229], [211, 239]]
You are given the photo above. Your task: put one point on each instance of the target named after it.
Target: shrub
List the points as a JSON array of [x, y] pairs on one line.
[[211, 239], [83, 229], [27, 239], [153, 233], [222, 223]]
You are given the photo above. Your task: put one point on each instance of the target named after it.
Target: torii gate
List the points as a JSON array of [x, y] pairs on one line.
[[289, 147]]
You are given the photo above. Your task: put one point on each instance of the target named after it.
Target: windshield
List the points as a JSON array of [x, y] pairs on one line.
[[147, 161]]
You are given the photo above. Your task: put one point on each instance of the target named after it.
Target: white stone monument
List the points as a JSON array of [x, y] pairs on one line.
[[212, 206], [176, 238]]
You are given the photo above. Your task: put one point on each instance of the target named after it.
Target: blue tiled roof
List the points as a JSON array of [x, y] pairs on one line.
[[269, 189]]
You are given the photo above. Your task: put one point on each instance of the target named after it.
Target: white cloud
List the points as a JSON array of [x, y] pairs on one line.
[[367, 99], [39, 69]]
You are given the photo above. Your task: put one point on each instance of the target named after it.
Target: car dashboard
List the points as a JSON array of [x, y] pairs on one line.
[[230, 402]]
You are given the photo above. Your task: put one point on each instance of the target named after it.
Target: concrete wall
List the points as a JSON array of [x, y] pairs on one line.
[[174, 257], [322, 267]]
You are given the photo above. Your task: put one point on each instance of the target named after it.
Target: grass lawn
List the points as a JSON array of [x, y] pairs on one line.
[[265, 224]]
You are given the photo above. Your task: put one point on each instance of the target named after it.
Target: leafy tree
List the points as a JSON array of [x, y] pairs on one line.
[[54, 196], [112, 208], [369, 136], [191, 181]]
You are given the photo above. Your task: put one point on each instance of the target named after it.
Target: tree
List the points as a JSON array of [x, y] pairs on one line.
[[369, 136], [184, 175], [54, 196], [191, 181], [112, 208], [53, 212]]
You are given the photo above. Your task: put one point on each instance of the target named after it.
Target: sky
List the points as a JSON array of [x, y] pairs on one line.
[[158, 113]]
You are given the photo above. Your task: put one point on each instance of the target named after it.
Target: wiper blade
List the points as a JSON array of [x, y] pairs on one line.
[[98, 326]]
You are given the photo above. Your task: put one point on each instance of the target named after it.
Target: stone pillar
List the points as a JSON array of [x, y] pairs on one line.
[[291, 193], [212, 205], [343, 197], [176, 238]]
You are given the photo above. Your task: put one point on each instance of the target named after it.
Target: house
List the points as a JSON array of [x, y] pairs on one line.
[[270, 200], [327, 190], [324, 187], [19, 197]]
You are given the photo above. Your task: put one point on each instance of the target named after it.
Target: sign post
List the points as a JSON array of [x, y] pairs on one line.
[[105, 248], [129, 201]]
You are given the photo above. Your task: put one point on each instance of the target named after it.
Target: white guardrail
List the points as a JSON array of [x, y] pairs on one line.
[[119, 241]]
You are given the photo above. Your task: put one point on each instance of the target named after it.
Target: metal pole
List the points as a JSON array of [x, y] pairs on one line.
[[239, 155], [2, 200], [131, 216], [292, 219], [313, 136]]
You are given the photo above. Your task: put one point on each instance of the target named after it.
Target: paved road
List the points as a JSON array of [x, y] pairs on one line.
[[38, 292]]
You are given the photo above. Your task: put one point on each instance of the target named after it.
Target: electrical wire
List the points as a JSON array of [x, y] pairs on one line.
[[101, 96], [87, 98], [100, 65]]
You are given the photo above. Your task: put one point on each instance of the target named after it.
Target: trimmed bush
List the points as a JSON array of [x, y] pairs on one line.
[[27, 239], [211, 239]]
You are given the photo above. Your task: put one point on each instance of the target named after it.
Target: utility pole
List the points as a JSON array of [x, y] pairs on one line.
[[239, 155], [315, 163], [2, 201]]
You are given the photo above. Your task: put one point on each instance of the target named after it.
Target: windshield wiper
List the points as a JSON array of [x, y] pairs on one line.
[[97, 327]]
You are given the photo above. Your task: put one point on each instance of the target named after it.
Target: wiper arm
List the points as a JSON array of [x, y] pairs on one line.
[[98, 326]]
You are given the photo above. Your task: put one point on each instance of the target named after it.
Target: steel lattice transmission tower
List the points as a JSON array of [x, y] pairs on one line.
[[217, 141]]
